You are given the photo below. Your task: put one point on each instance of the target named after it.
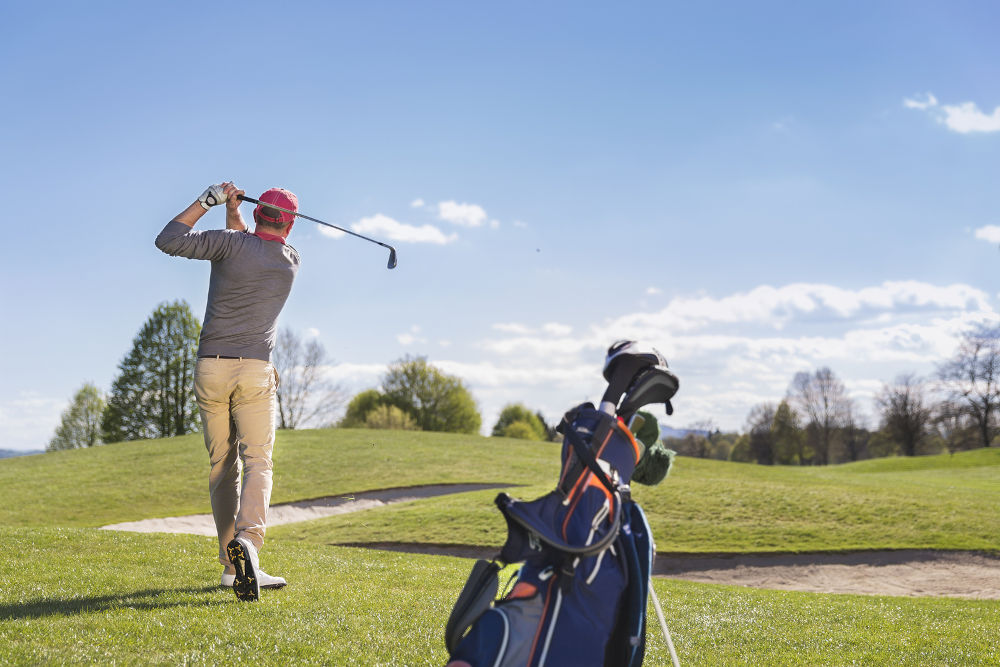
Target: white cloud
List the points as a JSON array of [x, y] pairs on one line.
[[417, 203], [512, 328], [928, 101], [519, 224], [312, 332], [652, 291], [30, 420], [967, 117], [331, 233], [734, 351], [556, 329], [989, 233], [466, 215], [963, 118], [410, 337], [385, 227]]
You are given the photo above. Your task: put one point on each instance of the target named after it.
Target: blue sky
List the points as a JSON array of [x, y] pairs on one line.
[[755, 189]]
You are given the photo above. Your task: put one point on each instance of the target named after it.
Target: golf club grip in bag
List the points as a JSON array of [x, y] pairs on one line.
[[583, 546]]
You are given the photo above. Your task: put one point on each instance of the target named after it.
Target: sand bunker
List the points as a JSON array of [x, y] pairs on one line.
[[906, 573], [305, 510]]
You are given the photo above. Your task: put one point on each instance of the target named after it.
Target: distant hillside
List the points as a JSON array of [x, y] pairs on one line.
[[9, 453], [670, 432]]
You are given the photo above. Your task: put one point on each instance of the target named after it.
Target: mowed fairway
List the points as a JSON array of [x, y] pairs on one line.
[[71, 593]]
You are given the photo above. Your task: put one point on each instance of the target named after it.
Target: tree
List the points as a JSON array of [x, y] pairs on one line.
[[550, 429], [972, 377], [760, 424], [360, 407], [304, 396], [955, 426], [80, 425], [390, 417], [854, 436], [789, 438], [906, 417], [821, 397], [153, 396], [435, 400], [517, 421]]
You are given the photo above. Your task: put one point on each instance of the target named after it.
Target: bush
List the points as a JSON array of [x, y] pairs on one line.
[[391, 418]]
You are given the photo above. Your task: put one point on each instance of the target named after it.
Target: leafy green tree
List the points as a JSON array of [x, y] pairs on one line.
[[359, 408], [153, 395], [390, 417], [740, 453], [80, 425], [760, 425], [435, 400], [789, 438], [530, 426]]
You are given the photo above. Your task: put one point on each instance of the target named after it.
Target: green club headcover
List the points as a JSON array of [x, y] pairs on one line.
[[654, 464]]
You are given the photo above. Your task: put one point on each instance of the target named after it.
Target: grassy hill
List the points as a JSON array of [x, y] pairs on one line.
[[941, 502], [70, 593]]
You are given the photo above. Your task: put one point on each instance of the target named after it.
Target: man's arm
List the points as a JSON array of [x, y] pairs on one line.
[[175, 240], [191, 214], [234, 219]]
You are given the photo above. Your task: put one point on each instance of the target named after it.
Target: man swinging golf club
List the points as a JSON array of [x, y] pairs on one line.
[[234, 380]]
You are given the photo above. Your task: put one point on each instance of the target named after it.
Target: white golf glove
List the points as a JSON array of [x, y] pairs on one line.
[[213, 196]]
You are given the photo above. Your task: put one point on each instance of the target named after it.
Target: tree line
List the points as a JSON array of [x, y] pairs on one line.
[[152, 395], [817, 423]]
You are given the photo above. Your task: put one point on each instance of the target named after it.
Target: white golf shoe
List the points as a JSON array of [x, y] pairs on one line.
[[266, 580], [248, 579]]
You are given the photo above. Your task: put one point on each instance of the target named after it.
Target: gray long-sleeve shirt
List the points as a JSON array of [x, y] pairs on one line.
[[250, 282]]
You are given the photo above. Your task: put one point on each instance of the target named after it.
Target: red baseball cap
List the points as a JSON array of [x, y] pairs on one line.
[[278, 197]]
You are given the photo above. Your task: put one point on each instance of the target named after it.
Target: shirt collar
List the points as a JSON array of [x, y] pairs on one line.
[[270, 237]]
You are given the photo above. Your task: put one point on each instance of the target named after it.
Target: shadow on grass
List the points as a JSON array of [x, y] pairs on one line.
[[139, 600]]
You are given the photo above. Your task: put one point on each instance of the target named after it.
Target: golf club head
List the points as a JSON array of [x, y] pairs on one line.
[[392, 258], [655, 384]]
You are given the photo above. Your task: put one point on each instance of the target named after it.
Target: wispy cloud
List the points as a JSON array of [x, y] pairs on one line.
[[465, 215], [30, 420], [989, 233], [386, 227], [964, 118], [417, 203], [926, 103], [411, 336]]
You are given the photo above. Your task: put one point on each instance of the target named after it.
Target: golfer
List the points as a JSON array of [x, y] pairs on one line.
[[234, 381]]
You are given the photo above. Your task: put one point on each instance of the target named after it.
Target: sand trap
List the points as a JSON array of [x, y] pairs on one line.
[[918, 572], [305, 510]]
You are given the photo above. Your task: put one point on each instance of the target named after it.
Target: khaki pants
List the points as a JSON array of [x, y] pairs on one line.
[[236, 398]]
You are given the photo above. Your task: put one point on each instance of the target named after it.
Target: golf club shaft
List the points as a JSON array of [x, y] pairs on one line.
[[301, 215], [663, 625]]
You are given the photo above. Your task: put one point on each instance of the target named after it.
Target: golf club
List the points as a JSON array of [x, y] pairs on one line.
[[392, 251]]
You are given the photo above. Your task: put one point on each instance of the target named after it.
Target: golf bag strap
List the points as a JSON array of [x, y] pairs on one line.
[[587, 456]]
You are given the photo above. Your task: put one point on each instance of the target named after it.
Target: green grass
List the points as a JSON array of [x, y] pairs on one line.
[[940, 502], [73, 594], [87, 596], [159, 478]]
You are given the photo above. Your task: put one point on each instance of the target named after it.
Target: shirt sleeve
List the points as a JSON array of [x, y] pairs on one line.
[[178, 239]]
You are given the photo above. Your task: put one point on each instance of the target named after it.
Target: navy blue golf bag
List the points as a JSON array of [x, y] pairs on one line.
[[580, 597]]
